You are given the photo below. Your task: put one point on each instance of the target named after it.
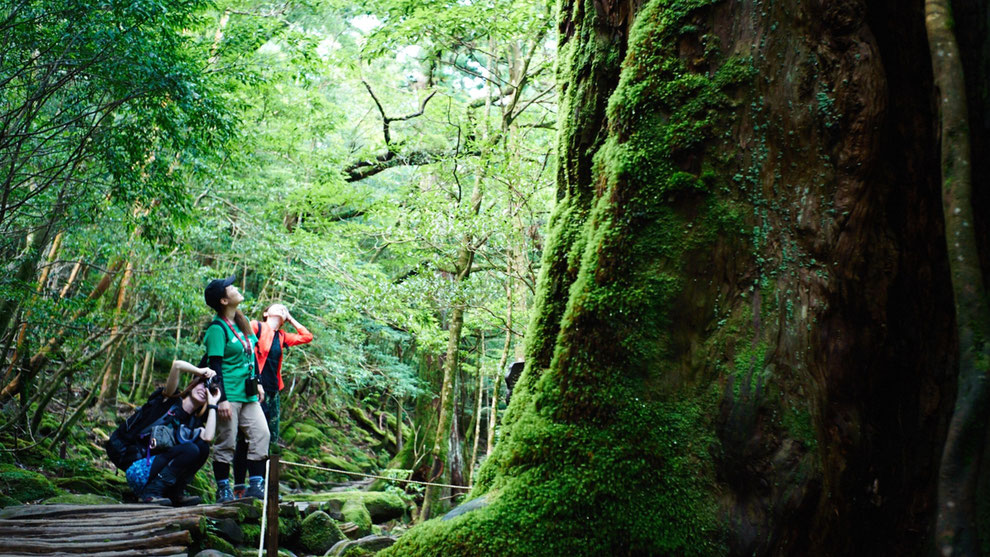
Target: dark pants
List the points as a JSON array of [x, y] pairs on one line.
[[184, 460], [270, 407]]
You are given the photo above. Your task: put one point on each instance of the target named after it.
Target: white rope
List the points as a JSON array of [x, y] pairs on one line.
[[264, 511], [372, 476]]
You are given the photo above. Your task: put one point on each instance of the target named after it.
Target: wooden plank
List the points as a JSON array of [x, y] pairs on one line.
[[53, 511], [23, 545], [26, 530], [97, 519], [90, 536], [175, 551]]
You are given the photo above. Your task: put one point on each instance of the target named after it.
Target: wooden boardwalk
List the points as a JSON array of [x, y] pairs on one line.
[[104, 530]]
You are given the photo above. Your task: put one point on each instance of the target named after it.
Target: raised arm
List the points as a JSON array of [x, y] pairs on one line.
[[182, 366], [302, 335], [210, 427]]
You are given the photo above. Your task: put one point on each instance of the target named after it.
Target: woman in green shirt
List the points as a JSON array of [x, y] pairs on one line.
[[229, 343]]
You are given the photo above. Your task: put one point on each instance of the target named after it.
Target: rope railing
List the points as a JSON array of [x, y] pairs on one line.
[[372, 475], [269, 508]]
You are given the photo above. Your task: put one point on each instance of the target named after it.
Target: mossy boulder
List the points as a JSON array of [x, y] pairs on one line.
[[355, 511], [305, 436], [379, 506], [100, 482], [24, 485], [338, 463], [213, 541], [318, 533]]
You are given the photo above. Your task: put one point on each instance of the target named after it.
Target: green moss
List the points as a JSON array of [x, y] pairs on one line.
[[252, 534], [84, 499], [318, 533], [607, 444], [24, 485], [212, 541], [304, 437], [355, 511]]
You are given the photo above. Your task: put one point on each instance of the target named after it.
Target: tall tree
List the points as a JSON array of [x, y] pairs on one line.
[[742, 339]]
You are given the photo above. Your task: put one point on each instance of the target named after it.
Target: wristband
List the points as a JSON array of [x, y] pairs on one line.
[[211, 406]]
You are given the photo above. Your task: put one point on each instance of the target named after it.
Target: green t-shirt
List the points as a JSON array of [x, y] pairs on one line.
[[237, 364]]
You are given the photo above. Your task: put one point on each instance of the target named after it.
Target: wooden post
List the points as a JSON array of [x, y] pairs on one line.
[[271, 533]]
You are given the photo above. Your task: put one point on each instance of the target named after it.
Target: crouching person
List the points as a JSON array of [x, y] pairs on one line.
[[164, 443]]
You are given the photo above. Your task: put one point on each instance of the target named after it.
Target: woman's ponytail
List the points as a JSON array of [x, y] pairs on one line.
[[242, 323]]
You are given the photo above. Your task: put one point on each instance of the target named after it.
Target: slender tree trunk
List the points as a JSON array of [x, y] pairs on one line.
[[442, 438], [962, 455], [111, 376], [24, 274], [149, 357], [398, 425], [465, 258], [477, 412], [503, 359], [178, 335], [72, 278], [22, 329]]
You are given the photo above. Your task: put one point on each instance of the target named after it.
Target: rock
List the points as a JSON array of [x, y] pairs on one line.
[[333, 508], [305, 436], [331, 461], [381, 506], [212, 553], [229, 530], [24, 485], [215, 542], [355, 511], [319, 533], [80, 499], [367, 544], [473, 504]]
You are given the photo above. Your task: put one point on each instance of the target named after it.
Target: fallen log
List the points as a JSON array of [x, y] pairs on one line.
[[27, 545]]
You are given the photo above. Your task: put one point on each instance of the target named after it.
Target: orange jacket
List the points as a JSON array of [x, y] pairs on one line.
[[265, 337]]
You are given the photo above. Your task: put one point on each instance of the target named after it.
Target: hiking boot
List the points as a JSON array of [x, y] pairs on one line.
[[224, 494], [186, 500], [177, 495], [154, 491], [256, 488], [239, 490]]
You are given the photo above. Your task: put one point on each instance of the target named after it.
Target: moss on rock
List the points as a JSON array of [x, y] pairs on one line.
[[24, 485], [318, 533], [355, 511]]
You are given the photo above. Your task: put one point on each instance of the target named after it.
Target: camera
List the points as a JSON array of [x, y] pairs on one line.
[[213, 383]]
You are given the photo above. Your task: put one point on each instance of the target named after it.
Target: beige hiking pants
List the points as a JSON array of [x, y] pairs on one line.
[[250, 419]]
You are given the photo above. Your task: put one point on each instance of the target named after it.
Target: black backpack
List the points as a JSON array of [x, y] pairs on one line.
[[205, 360], [124, 445]]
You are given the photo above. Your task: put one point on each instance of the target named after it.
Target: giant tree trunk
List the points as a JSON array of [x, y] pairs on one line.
[[744, 340]]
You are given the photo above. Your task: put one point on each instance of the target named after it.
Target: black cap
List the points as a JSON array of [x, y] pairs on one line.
[[215, 290]]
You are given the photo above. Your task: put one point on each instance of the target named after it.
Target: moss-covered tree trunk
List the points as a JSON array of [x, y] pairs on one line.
[[743, 341]]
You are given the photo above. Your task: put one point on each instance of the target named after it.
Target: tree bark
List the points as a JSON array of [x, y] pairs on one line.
[[964, 445], [477, 412], [111, 373]]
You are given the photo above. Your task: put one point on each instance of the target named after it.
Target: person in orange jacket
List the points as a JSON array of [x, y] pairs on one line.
[[272, 341]]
